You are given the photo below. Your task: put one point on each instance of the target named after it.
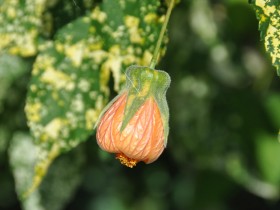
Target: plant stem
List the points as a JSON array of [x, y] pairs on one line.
[[161, 35]]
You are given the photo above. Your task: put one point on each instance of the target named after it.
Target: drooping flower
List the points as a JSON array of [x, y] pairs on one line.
[[134, 125]]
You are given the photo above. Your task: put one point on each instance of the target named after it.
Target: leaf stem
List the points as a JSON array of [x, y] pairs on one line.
[[161, 35]]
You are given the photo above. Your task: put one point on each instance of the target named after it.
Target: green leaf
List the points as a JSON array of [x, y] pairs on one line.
[[20, 24], [267, 152], [69, 81], [11, 68], [238, 171], [272, 104], [61, 182], [4, 137], [268, 14]]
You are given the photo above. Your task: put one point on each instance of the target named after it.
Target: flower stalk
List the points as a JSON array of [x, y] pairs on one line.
[[161, 35]]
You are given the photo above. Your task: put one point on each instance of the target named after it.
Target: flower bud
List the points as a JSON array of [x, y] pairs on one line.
[[135, 124]]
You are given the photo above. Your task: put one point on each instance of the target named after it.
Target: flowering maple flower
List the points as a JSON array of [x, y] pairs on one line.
[[134, 125]]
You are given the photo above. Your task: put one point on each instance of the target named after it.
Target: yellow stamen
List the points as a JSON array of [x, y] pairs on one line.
[[129, 162]]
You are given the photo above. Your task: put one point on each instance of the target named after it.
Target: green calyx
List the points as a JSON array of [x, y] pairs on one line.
[[141, 84]]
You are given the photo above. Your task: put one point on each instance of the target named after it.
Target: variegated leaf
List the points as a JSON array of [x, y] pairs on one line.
[[20, 23], [61, 182], [268, 14]]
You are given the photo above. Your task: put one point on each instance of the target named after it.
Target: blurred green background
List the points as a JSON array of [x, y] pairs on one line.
[[224, 101]]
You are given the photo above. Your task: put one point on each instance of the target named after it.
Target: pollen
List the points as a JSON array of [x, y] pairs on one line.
[[129, 162]]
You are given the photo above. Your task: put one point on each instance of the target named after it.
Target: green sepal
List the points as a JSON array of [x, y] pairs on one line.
[[141, 84]]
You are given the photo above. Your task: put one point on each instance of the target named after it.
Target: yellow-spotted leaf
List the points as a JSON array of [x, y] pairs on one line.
[[66, 94], [268, 14], [69, 84], [131, 29], [20, 23], [60, 183]]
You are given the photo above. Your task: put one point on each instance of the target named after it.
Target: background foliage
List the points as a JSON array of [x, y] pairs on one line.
[[222, 152]]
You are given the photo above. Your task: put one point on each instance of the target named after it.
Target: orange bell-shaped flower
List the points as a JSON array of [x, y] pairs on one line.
[[135, 124]]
